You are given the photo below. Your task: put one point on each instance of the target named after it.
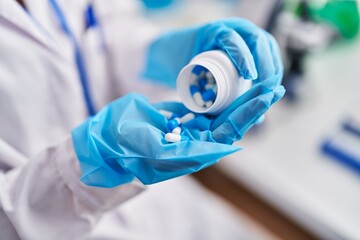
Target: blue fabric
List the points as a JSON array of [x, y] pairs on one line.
[[253, 51]]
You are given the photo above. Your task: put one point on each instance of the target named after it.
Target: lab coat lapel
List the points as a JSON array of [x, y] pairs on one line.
[[17, 17], [73, 10]]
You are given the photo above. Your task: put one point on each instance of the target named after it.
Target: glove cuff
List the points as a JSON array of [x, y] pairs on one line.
[[98, 169]]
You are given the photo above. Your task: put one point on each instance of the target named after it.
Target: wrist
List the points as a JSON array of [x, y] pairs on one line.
[[96, 163]]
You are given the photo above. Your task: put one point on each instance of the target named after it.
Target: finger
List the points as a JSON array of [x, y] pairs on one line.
[[279, 92], [259, 44], [260, 120], [200, 123], [239, 53], [174, 107], [256, 90], [242, 119], [245, 116], [217, 36]]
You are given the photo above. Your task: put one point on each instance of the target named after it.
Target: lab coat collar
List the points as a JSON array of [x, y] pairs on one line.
[[74, 12], [14, 14]]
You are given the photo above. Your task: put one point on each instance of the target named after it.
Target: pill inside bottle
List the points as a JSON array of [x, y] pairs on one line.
[[210, 83], [203, 88]]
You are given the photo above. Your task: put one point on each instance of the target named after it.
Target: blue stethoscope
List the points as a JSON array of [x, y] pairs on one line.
[[80, 64]]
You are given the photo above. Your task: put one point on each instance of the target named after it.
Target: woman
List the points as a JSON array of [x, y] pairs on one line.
[[63, 61]]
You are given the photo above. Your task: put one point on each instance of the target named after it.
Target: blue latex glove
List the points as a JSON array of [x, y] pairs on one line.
[[232, 124], [126, 138], [253, 51]]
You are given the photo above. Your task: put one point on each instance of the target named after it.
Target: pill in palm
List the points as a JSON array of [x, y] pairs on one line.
[[168, 114], [172, 137], [177, 130], [174, 128], [187, 117], [173, 123]]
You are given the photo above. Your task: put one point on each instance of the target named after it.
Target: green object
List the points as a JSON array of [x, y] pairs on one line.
[[343, 15]]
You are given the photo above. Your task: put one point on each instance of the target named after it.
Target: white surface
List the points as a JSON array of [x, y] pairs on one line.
[[283, 162]]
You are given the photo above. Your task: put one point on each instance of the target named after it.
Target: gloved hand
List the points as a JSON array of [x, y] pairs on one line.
[[232, 124], [253, 51], [126, 138]]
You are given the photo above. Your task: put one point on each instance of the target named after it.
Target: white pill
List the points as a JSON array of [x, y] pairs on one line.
[[209, 86], [172, 137], [187, 117], [198, 99], [178, 120], [209, 103], [193, 78], [215, 89], [177, 130], [173, 123], [211, 80], [209, 75], [167, 114], [202, 74]]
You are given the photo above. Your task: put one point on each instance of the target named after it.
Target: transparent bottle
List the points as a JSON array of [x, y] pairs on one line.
[[229, 83]]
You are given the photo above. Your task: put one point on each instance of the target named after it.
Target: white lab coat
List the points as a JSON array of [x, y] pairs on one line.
[[41, 100]]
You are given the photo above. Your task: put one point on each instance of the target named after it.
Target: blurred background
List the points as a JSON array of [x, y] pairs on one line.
[[298, 175]]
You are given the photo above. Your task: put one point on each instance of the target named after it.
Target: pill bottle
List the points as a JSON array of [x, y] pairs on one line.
[[229, 83]]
